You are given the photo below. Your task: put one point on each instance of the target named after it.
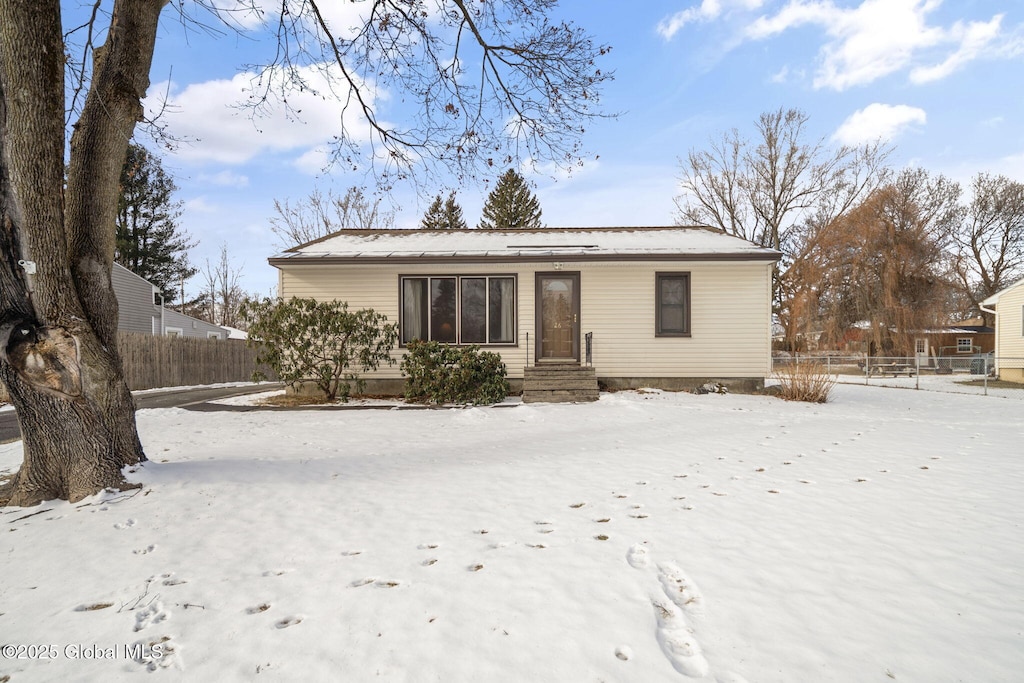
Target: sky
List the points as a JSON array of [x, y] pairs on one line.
[[874, 538], [938, 80]]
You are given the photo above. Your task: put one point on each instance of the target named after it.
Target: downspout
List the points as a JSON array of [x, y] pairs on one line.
[[995, 320], [163, 326]]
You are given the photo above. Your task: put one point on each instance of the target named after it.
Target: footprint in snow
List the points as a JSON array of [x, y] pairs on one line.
[[677, 643], [289, 621], [257, 609], [153, 614], [145, 551], [679, 597], [681, 589], [363, 582], [127, 524], [638, 557], [156, 653]]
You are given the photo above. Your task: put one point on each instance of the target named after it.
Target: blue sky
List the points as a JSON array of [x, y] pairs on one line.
[[940, 80]]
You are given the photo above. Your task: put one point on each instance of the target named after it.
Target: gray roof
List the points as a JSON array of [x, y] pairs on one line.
[[576, 244]]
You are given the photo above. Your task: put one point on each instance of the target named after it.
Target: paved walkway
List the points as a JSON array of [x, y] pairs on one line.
[[190, 398]]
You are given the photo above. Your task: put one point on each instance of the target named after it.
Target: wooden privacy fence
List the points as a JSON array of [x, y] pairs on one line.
[[151, 362]]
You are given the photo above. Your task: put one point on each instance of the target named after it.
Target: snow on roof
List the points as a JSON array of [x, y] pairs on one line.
[[514, 245]]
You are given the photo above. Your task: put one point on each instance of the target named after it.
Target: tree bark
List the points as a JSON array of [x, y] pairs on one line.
[[58, 313]]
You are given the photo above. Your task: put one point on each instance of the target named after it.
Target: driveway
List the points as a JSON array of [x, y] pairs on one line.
[[194, 398]]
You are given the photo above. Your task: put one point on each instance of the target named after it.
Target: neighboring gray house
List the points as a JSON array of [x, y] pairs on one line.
[[140, 310]]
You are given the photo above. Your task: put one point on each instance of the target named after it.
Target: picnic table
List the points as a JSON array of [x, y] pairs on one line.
[[882, 369]]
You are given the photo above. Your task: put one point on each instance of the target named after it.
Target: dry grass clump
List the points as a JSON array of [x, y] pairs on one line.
[[808, 382]]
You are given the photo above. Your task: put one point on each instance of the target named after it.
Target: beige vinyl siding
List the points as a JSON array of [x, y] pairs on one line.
[[730, 309], [729, 324], [1010, 334]]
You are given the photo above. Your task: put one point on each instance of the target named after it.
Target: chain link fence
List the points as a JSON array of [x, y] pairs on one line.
[[966, 374]]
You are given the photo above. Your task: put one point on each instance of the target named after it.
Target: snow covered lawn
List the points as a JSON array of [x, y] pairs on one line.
[[645, 537]]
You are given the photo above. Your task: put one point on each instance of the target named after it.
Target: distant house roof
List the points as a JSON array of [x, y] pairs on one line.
[[967, 329], [577, 244]]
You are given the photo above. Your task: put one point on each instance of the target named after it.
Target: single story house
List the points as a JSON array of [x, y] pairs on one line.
[[669, 307], [969, 338], [1008, 306], [140, 309]]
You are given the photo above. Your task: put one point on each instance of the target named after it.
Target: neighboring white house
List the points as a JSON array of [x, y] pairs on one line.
[[665, 307], [1008, 305], [140, 309]]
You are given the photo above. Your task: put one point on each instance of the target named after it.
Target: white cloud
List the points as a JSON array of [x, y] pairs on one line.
[[344, 18], [225, 179], [973, 38], [532, 167], [201, 205], [780, 76], [878, 121], [211, 119], [707, 10], [880, 37], [313, 161]]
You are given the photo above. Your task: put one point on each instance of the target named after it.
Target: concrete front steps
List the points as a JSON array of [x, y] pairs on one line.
[[559, 384]]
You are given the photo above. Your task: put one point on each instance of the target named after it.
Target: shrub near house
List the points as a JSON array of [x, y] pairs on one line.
[[319, 342], [440, 373]]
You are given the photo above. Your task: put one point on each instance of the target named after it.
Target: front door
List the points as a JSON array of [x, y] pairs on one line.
[[558, 317]]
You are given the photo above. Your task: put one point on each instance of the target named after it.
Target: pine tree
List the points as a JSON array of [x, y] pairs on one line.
[[149, 240], [511, 205], [444, 215]]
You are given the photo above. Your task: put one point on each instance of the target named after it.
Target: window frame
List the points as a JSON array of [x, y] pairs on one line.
[[960, 348], [487, 278], [687, 278]]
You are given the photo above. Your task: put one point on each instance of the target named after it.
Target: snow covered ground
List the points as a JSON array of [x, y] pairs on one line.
[[646, 537]]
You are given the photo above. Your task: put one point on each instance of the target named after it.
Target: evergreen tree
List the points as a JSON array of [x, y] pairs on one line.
[[511, 205], [444, 215], [149, 240]]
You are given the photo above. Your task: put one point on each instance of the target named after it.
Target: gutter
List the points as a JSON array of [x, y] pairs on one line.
[[518, 258]]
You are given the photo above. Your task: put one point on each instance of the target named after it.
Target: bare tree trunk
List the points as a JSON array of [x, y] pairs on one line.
[[58, 312]]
